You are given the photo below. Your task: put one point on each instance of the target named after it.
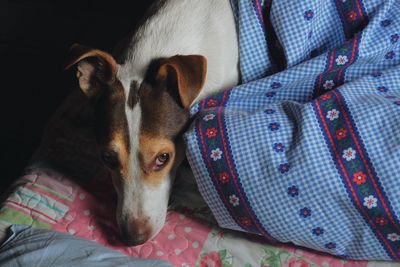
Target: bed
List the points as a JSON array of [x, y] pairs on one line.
[[46, 199]]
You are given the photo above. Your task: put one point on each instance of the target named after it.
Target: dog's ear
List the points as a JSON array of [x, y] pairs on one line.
[[184, 75], [94, 68]]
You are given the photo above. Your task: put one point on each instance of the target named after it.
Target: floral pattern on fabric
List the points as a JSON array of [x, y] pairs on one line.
[[356, 169]]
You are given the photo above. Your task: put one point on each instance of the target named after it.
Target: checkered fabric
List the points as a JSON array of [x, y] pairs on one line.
[[311, 154]]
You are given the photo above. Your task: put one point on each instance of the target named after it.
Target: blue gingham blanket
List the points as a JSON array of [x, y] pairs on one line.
[[309, 154]]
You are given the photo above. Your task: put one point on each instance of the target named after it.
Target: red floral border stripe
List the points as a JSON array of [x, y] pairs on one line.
[[339, 60], [257, 7], [217, 156], [354, 18], [357, 171], [367, 164], [352, 15]]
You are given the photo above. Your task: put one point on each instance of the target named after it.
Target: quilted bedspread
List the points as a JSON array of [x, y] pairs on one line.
[[309, 154], [47, 199]]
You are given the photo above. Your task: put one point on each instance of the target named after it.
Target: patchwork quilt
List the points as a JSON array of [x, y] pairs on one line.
[[308, 153]]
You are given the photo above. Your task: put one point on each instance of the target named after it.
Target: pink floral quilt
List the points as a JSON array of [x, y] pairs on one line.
[[46, 199]]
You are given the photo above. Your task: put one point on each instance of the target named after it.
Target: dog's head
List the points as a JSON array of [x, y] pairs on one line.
[[139, 125]]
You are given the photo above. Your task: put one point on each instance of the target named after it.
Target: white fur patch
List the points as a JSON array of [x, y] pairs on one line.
[[138, 200], [187, 27]]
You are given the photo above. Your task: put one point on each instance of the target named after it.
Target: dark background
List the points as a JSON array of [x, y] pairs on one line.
[[35, 36]]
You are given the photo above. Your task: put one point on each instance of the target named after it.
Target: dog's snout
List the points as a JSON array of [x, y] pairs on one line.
[[135, 240], [136, 232]]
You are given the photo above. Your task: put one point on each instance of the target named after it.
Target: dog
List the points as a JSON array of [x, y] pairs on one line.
[[182, 52]]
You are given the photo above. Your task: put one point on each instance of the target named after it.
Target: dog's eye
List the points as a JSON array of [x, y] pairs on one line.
[[161, 160], [110, 158]]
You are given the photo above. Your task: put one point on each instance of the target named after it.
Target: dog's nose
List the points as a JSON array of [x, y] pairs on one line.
[[135, 233], [135, 240]]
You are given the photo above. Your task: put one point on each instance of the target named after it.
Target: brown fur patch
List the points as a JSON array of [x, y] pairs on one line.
[[120, 146], [133, 96], [94, 68], [112, 126], [184, 74], [162, 124], [161, 113], [150, 148]]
